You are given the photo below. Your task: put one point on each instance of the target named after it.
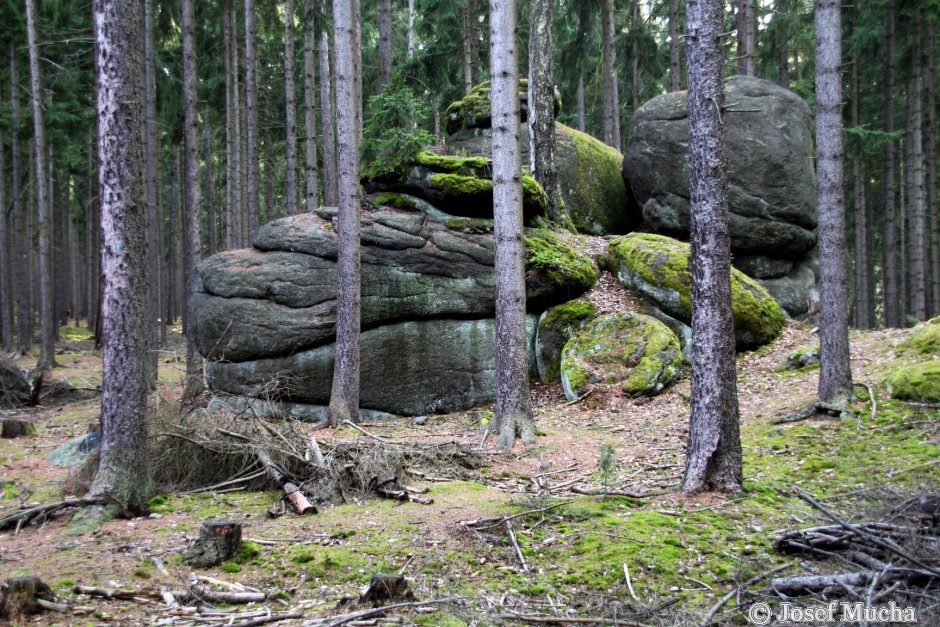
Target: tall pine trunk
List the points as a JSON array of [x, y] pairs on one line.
[[46, 280], [467, 56], [150, 139], [310, 111], [513, 405], [24, 338], [713, 460], [251, 121], [192, 237], [892, 311], [782, 15], [675, 62], [290, 103], [609, 71], [930, 164], [385, 43], [917, 247], [745, 19], [864, 291], [542, 110], [6, 258], [344, 398], [835, 375], [326, 114], [211, 243], [123, 476]]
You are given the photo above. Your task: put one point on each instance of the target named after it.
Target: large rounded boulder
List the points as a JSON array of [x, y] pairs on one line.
[[771, 181], [634, 351], [556, 326], [658, 268]]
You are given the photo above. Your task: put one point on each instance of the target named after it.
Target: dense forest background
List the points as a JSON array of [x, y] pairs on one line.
[[266, 124]]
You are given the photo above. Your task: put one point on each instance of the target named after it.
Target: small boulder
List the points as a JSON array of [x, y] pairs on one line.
[[917, 382], [658, 267], [557, 326], [801, 358], [555, 267], [638, 352]]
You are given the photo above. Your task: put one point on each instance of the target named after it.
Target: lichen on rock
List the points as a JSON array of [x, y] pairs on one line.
[[635, 351], [658, 267]]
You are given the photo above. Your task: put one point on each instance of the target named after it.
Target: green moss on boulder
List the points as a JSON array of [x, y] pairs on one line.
[[475, 109], [557, 326], [917, 382], [924, 338], [803, 358], [396, 201], [554, 263], [636, 351], [658, 267]]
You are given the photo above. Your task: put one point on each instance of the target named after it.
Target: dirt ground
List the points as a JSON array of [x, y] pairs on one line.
[[426, 542]]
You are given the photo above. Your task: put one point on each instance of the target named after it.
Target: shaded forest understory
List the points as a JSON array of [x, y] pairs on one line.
[[682, 554]]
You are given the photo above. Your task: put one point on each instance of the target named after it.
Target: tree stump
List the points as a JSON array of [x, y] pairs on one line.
[[18, 597], [16, 427], [385, 588], [219, 541]]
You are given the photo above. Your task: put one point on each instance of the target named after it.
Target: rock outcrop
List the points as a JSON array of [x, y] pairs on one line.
[[658, 267], [638, 353], [265, 316], [771, 181]]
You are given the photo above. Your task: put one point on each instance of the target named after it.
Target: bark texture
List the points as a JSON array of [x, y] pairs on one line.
[[311, 169], [541, 110], [892, 312], [385, 43], [152, 183], [290, 105], [713, 460], [609, 71], [46, 286], [123, 474], [917, 247], [251, 121], [747, 37], [344, 399], [835, 375], [24, 337], [513, 405], [326, 117], [675, 62]]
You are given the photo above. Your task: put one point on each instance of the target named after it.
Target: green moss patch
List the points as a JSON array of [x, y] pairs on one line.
[[924, 338], [556, 327], [659, 268], [562, 264], [396, 201], [638, 352], [917, 382], [805, 357], [75, 334]]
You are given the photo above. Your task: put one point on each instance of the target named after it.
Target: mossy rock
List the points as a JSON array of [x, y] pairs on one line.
[[557, 326], [801, 358], [658, 267], [556, 268], [636, 351], [917, 382], [924, 338], [395, 201], [475, 109]]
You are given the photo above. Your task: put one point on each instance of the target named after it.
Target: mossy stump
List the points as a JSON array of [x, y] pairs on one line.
[[17, 427], [219, 541], [19, 595], [385, 588]]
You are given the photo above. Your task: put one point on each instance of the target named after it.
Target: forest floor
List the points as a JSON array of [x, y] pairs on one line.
[[657, 558]]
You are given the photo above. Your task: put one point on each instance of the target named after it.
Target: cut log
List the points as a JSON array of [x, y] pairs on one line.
[[17, 427], [385, 588], [219, 541], [19, 596], [297, 500]]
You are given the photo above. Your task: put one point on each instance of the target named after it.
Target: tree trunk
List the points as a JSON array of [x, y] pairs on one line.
[[782, 15], [411, 29], [542, 110], [6, 259], [93, 241], [385, 43], [713, 460], [244, 218], [675, 63], [326, 116], [46, 296], [892, 314], [864, 293], [930, 163], [153, 261], [310, 111], [582, 115], [609, 71], [171, 240], [251, 121], [513, 405], [24, 340], [918, 223], [211, 243], [636, 81], [467, 58], [344, 398], [290, 117], [835, 375], [219, 541], [192, 238], [745, 21], [231, 229], [123, 476], [237, 137], [473, 14]]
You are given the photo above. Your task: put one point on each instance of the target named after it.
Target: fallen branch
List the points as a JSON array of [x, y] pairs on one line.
[[561, 620], [273, 618], [627, 493], [501, 520], [750, 582], [515, 546], [25, 516], [871, 397], [579, 399], [335, 621], [183, 595]]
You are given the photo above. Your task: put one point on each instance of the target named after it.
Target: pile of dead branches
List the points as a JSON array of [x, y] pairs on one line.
[[201, 451]]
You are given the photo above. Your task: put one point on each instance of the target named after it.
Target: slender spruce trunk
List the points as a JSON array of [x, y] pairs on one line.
[[24, 338], [251, 121], [835, 375], [46, 280], [154, 286], [465, 34], [290, 118], [6, 257], [782, 15], [411, 29], [864, 293], [582, 110], [344, 398], [385, 43], [231, 228], [310, 111], [892, 312], [211, 242], [930, 165], [675, 62], [513, 405], [609, 71], [326, 115], [918, 222]]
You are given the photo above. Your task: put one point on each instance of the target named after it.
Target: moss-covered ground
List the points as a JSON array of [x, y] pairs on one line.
[[681, 552]]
